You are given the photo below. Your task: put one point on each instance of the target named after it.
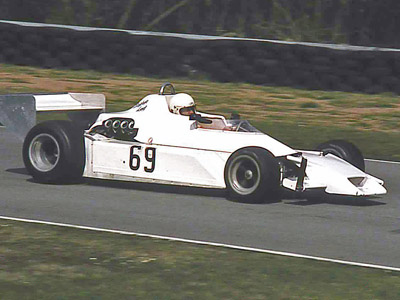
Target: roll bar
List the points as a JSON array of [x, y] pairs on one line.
[[166, 85]]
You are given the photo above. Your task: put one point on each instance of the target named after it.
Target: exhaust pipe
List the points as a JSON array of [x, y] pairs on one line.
[[124, 125], [131, 125], [107, 124], [116, 124]]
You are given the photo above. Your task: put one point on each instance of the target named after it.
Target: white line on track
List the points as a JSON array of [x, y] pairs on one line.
[[384, 161], [343, 262]]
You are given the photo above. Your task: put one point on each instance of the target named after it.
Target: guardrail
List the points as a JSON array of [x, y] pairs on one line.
[[268, 62]]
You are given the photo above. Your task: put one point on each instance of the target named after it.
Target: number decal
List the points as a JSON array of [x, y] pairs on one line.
[[149, 155], [134, 159]]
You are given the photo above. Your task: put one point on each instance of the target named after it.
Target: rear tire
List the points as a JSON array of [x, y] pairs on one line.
[[252, 175], [54, 152], [344, 150]]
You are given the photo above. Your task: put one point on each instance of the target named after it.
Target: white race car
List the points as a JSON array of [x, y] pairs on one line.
[[153, 143]]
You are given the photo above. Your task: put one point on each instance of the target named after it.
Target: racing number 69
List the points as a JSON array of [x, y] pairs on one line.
[[149, 155]]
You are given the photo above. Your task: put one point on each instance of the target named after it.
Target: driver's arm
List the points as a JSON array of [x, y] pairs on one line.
[[216, 124]]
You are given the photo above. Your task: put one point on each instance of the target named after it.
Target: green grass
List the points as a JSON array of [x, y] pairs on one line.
[[309, 105], [48, 262], [300, 118]]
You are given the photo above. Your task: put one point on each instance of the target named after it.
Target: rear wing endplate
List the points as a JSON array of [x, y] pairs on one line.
[[18, 111]]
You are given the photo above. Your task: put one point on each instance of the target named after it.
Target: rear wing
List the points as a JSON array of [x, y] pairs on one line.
[[18, 111]]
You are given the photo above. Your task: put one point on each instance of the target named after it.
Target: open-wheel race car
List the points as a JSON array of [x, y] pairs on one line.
[[163, 139]]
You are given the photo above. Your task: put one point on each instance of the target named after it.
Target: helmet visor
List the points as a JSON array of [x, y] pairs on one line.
[[187, 111]]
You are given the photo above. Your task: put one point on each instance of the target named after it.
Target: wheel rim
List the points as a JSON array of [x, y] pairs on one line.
[[44, 152], [244, 174]]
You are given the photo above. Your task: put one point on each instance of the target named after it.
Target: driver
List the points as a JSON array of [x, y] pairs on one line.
[[182, 104]]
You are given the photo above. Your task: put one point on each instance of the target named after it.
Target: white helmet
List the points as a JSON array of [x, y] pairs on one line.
[[182, 104]]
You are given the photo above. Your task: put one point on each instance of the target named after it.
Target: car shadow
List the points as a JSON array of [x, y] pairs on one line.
[[175, 189], [19, 171], [156, 187], [150, 187], [319, 197], [23, 171], [286, 197]]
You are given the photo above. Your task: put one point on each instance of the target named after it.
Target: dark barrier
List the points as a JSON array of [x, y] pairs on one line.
[[224, 60]]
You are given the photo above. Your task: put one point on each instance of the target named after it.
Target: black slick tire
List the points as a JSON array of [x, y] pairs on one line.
[[344, 150], [252, 175], [54, 152]]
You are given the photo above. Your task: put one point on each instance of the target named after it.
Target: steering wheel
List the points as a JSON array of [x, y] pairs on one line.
[[166, 85]]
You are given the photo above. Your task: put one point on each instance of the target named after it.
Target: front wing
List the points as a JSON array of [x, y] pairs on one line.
[[332, 174]]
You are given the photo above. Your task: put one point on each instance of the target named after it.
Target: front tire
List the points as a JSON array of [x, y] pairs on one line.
[[344, 150], [54, 152], [252, 175]]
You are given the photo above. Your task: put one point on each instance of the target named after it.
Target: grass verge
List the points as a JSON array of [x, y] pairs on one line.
[[300, 118], [48, 262]]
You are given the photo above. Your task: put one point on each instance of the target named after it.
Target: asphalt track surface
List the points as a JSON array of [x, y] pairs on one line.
[[365, 230]]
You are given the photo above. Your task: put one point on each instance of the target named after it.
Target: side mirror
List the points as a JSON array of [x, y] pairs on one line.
[[200, 119]]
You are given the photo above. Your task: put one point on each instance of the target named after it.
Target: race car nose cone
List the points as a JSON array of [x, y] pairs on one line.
[[248, 174]]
